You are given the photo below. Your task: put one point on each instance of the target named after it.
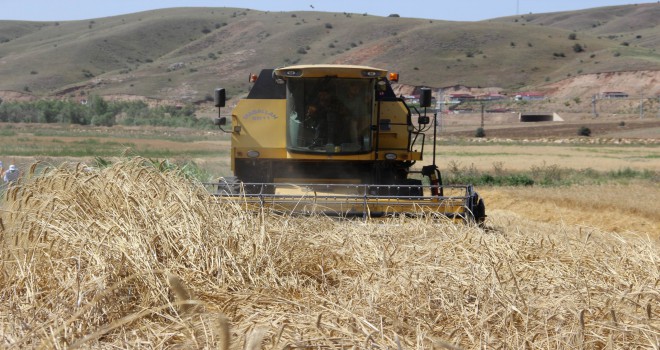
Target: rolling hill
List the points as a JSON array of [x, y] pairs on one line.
[[183, 54]]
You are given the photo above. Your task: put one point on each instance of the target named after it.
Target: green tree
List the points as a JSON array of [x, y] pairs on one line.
[[97, 105]]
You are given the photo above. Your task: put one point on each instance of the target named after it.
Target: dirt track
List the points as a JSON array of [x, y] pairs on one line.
[[636, 128]]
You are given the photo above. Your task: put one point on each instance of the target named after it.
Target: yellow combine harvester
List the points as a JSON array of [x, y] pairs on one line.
[[334, 139]]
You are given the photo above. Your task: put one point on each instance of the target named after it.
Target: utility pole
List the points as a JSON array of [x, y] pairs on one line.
[[593, 106], [440, 102]]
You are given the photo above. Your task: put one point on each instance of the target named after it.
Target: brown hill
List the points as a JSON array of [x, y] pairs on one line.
[[183, 54], [640, 83]]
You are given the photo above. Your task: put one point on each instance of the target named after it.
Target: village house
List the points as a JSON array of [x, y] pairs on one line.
[[491, 97], [458, 98], [529, 96]]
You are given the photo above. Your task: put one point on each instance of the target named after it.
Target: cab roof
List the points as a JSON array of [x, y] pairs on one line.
[[330, 70]]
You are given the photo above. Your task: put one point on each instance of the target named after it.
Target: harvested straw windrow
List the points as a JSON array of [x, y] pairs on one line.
[[129, 256]]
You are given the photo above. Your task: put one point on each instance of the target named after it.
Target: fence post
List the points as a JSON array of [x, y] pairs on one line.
[[593, 106]]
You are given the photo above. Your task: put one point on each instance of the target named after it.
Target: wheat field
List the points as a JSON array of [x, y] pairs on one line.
[[133, 257]]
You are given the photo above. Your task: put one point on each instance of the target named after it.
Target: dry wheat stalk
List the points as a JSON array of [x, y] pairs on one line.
[[129, 255]]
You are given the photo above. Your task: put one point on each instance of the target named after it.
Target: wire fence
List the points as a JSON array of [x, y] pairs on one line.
[[598, 106]]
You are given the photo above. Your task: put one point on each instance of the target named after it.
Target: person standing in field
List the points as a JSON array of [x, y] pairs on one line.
[[11, 175]]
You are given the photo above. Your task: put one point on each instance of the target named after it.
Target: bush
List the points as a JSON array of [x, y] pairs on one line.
[[100, 112], [577, 47], [518, 180], [480, 132], [572, 36], [584, 131]]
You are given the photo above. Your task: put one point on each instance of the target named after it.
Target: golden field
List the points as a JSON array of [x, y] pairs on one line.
[[132, 257]]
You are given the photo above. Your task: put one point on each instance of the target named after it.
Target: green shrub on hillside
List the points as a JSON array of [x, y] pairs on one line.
[[584, 131], [97, 111]]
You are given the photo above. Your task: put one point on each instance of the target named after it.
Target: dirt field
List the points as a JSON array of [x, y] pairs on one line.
[[498, 125]]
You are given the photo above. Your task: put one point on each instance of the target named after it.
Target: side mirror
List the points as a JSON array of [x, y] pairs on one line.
[[423, 120], [220, 97], [221, 121], [425, 98]]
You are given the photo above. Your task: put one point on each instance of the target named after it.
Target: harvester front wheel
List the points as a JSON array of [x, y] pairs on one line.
[[479, 212], [229, 185]]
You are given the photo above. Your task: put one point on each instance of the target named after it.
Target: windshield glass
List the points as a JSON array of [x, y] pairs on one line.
[[329, 115]]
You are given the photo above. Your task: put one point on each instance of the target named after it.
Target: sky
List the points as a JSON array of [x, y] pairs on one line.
[[461, 10]]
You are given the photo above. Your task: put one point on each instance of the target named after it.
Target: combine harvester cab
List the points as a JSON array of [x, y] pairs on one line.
[[335, 140]]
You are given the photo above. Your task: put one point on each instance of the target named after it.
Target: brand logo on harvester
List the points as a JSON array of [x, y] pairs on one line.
[[259, 114]]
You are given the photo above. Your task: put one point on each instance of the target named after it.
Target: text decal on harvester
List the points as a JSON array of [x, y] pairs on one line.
[[259, 114]]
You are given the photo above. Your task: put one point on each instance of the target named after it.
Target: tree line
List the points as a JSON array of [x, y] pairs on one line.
[[99, 112]]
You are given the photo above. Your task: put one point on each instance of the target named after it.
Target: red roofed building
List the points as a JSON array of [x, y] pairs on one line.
[[491, 97], [461, 97]]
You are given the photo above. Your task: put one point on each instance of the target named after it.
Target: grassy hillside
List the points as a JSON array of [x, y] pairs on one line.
[[618, 21], [183, 54]]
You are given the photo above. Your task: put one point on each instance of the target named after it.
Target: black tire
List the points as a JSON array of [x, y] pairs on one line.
[[259, 189], [413, 188], [229, 186], [479, 212]]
